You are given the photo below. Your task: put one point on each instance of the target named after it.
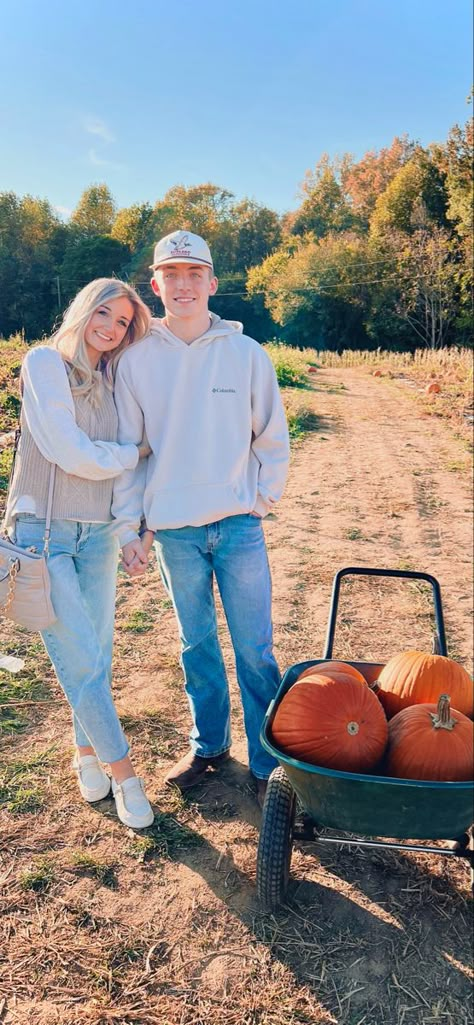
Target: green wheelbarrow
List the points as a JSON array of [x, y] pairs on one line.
[[383, 809]]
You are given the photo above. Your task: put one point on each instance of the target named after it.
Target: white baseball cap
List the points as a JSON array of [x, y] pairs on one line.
[[181, 247]]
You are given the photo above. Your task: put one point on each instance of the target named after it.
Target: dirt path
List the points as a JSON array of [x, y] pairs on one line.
[[377, 486], [177, 936]]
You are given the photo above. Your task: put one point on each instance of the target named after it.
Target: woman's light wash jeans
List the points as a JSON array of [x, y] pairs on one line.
[[83, 570], [232, 549]]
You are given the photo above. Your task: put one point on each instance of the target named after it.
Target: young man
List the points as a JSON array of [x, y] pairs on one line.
[[208, 399]]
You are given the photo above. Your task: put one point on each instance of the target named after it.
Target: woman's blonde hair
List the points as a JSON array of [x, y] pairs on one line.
[[69, 339]]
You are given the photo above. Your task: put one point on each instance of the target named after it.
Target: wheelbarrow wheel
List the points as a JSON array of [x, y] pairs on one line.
[[276, 840]]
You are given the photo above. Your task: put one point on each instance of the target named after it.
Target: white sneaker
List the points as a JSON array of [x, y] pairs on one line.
[[94, 783], [133, 806]]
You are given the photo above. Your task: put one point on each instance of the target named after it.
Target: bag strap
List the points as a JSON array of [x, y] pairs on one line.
[[49, 508]]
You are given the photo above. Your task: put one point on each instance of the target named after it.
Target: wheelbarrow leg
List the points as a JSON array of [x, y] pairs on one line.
[[462, 842]]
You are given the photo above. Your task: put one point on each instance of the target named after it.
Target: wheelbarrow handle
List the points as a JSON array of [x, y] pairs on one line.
[[362, 571]]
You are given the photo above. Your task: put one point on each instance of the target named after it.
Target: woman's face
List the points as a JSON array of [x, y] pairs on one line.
[[107, 327]]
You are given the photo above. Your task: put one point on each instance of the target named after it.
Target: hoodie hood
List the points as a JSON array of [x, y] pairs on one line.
[[218, 328]]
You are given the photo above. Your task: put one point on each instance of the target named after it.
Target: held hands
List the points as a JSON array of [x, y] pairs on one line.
[[134, 558], [135, 554]]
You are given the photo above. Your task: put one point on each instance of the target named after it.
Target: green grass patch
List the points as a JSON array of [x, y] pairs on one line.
[[169, 838], [300, 422], [6, 457], [24, 686], [9, 409], [12, 721], [139, 622], [11, 356], [22, 800], [291, 367], [21, 790], [123, 955], [103, 871], [142, 848], [39, 877], [354, 534]]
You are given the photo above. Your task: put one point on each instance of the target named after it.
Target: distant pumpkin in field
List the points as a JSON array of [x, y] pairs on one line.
[[377, 373], [312, 370], [433, 388]]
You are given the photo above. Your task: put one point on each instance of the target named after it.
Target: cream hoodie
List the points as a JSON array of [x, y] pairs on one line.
[[214, 418]]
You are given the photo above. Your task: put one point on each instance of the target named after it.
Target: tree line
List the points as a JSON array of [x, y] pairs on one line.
[[377, 254]]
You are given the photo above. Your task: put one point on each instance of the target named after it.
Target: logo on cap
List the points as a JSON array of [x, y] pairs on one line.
[[182, 246]]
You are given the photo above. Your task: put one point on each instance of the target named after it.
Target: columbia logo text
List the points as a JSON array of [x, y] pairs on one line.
[[223, 390]]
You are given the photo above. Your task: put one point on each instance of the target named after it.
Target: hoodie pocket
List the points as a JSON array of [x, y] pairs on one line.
[[192, 506]]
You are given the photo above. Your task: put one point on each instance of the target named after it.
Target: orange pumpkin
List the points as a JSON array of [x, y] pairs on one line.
[[331, 721], [333, 666], [415, 678], [433, 388], [431, 742]]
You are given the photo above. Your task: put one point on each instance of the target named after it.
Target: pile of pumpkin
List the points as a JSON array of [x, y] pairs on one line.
[[414, 722]]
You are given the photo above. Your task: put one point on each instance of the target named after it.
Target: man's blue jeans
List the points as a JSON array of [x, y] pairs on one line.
[[83, 571], [233, 550]]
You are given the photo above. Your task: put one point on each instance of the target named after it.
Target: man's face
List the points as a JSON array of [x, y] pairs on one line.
[[184, 288]]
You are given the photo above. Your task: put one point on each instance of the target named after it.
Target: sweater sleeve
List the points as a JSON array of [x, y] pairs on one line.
[[48, 407], [127, 502], [270, 433]]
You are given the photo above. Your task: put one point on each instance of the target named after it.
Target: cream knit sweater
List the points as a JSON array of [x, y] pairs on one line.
[[57, 427]]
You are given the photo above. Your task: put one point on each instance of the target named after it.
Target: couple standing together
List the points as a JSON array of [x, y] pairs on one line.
[[168, 434]]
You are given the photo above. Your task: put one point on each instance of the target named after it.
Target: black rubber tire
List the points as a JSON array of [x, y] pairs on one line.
[[276, 840]]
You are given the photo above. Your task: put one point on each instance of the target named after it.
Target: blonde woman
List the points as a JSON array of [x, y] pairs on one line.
[[68, 418]]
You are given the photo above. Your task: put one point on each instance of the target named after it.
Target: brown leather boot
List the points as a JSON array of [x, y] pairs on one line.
[[192, 768], [260, 790]]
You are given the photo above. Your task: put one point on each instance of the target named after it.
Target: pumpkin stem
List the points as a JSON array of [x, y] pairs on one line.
[[352, 728], [441, 719]]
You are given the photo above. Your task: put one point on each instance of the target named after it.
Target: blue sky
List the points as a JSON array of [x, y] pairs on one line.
[[246, 94]]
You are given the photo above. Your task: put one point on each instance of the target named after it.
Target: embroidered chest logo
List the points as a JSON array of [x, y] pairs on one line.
[[223, 391]]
